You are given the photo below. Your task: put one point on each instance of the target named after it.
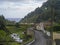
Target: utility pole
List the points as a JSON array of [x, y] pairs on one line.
[[52, 19]]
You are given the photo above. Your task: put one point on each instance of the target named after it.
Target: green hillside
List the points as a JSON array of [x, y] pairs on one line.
[[44, 13]]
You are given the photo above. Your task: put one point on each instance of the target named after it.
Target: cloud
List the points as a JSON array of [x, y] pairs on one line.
[[18, 8], [21, 0]]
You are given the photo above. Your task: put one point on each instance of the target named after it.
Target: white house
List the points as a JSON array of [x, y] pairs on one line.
[[40, 26]]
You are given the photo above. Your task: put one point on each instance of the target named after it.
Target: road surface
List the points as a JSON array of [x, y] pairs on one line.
[[40, 39]]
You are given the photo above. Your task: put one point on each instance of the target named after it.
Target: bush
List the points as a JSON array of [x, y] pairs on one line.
[[56, 28], [29, 36]]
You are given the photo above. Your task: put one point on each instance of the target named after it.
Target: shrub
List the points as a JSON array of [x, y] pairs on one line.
[[56, 28]]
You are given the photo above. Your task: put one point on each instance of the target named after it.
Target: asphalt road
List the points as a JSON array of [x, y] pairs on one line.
[[40, 39]]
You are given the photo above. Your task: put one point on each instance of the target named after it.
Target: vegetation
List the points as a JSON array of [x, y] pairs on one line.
[[17, 25], [38, 15], [6, 30], [44, 13], [55, 28], [13, 29]]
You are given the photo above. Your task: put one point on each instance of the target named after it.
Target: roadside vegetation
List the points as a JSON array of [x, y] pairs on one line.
[[55, 27], [6, 29], [18, 30]]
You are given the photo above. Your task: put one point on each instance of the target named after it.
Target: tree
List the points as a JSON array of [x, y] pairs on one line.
[[2, 24], [2, 20], [17, 25]]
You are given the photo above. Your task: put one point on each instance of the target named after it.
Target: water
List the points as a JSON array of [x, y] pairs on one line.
[[16, 37]]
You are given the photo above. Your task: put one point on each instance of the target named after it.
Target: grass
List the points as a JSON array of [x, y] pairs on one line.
[[14, 43], [29, 40], [13, 29], [4, 36]]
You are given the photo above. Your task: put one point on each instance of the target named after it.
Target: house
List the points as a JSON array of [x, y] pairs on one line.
[[40, 26], [30, 31]]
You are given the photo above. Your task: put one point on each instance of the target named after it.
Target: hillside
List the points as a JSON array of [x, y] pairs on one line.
[[43, 13], [14, 19]]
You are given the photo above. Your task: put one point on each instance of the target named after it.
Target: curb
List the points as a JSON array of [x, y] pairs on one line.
[[31, 42]]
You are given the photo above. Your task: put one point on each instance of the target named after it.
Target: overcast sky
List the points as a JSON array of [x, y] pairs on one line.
[[18, 8]]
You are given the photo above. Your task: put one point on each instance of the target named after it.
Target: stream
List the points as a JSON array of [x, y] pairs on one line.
[[16, 37]]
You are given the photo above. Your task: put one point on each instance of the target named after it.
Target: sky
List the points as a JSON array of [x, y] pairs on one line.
[[18, 8]]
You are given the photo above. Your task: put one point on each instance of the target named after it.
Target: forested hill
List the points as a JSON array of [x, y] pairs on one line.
[[44, 13], [5, 21]]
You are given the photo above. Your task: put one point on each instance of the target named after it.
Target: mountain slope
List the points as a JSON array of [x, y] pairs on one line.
[[14, 19], [43, 13]]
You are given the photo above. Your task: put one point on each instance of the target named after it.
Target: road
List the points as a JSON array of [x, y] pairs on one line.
[[40, 39]]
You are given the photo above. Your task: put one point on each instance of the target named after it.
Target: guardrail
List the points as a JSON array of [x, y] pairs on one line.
[[31, 42]]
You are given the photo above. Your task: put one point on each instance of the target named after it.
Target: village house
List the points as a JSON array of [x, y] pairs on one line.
[[30, 31], [42, 25]]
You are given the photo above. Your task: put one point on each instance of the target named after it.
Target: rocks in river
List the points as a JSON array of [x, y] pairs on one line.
[[16, 37]]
